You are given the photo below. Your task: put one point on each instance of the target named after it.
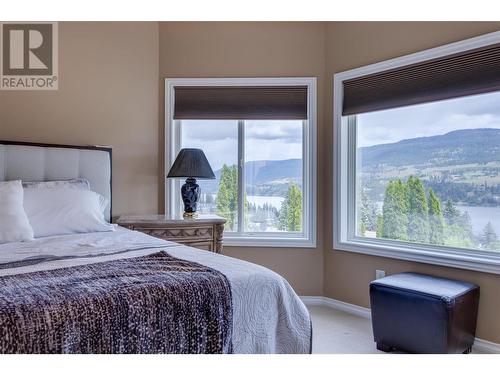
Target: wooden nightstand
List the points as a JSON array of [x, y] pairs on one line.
[[203, 232]]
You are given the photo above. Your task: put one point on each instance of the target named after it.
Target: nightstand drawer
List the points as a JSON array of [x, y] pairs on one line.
[[204, 232], [179, 234]]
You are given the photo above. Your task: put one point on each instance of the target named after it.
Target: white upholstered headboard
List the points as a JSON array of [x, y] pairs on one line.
[[47, 162]]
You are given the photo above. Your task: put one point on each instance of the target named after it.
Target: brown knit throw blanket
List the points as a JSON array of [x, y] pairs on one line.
[[149, 304]]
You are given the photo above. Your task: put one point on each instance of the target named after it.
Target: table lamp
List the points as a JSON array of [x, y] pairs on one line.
[[191, 163]]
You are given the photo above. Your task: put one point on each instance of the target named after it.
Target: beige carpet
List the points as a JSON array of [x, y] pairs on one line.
[[337, 332]]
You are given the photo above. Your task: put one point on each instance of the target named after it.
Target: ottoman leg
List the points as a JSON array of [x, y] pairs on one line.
[[383, 347]]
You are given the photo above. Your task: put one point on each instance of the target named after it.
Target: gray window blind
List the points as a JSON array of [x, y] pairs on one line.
[[471, 72], [241, 102]]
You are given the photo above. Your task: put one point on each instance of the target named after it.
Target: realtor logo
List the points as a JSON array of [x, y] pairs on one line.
[[28, 56]]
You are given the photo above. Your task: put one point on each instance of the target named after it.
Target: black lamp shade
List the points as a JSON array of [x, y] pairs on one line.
[[191, 162]]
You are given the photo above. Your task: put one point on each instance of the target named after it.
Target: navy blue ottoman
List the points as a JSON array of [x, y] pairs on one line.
[[419, 313]]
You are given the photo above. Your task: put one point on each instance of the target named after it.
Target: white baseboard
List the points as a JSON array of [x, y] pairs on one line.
[[480, 345], [337, 305]]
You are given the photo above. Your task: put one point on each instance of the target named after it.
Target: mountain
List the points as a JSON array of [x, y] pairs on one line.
[[272, 177], [453, 148], [462, 165], [267, 171], [264, 177]]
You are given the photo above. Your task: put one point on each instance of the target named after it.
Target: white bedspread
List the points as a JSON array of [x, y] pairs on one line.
[[268, 317]]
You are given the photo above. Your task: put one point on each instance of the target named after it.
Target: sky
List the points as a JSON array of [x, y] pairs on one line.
[[264, 140], [423, 120]]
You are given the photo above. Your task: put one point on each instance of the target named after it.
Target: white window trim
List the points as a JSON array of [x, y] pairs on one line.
[[172, 140], [344, 170]]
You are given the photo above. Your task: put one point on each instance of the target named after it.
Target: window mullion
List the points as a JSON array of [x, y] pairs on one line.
[[352, 166], [305, 173], [241, 175], [177, 206]]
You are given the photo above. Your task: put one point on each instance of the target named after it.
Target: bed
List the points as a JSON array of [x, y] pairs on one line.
[[126, 292]]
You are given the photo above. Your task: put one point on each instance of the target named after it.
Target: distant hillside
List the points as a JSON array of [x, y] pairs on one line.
[[264, 177], [453, 164], [456, 147], [266, 171], [462, 165]]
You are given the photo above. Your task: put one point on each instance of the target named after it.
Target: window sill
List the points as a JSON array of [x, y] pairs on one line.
[[268, 242], [480, 261]]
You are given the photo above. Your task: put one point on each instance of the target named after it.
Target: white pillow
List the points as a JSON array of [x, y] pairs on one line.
[[14, 224], [56, 211], [75, 183]]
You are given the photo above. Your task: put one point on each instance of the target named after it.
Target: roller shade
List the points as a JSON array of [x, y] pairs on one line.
[[471, 72], [241, 102]]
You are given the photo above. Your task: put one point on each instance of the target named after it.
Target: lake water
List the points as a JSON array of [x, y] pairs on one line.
[[480, 216]]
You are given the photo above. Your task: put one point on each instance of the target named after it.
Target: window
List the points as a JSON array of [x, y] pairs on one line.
[[418, 177], [265, 168]]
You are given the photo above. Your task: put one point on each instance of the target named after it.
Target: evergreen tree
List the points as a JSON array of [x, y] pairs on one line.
[[395, 211], [451, 213], [367, 213], [426, 221], [418, 212], [290, 215], [227, 196], [436, 220], [466, 225], [275, 213], [458, 227], [458, 236], [380, 225], [489, 236]]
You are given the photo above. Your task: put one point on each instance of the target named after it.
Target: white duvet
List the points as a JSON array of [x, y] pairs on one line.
[[268, 317]]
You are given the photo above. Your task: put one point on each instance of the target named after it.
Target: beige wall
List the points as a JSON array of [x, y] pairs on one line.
[[350, 45], [246, 49], [111, 92], [108, 95]]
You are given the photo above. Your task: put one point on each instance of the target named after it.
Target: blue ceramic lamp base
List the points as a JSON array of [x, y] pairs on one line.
[[190, 192]]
